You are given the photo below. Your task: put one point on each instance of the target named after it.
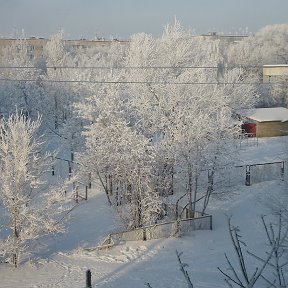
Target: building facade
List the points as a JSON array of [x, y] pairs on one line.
[[271, 73], [35, 46]]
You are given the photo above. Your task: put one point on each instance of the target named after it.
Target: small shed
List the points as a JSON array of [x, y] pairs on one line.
[[265, 122]]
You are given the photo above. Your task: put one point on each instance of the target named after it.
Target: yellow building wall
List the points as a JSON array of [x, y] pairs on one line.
[[272, 71], [271, 129]]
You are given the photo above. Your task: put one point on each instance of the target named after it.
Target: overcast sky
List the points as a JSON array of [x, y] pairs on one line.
[[122, 18]]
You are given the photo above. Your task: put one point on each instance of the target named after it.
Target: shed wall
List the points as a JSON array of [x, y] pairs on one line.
[[271, 129]]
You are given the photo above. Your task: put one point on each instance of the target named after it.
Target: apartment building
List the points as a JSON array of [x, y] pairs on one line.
[[36, 45], [271, 73]]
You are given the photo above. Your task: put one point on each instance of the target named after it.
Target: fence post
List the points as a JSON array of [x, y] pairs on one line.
[[75, 190], [69, 169], [211, 223], [248, 176], [88, 279], [144, 234], [89, 180], [210, 179], [282, 170], [77, 194], [188, 214], [178, 227]]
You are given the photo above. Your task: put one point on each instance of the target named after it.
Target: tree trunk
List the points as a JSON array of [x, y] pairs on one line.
[[15, 236], [195, 197], [105, 187], [55, 112], [190, 190]]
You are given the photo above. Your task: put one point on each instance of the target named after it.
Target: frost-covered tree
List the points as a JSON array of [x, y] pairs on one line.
[[172, 119], [272, 43], [278, 92], [59, 95], [23, 93], [54, 50], [185, 113], [122, 159], [267, 46], [32, 209]]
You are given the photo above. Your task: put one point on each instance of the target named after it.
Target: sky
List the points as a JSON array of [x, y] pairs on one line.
[[122, 18]]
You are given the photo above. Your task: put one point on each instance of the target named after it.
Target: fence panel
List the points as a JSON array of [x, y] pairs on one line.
[[133, 235], [202, 223], [165, 230], [229, 177], [266, 172], [233, 176]]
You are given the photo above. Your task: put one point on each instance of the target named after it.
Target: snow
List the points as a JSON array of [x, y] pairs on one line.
[[275, 65], [132, 264], [266, 114]]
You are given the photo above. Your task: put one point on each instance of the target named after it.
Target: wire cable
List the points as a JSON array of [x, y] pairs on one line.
[[136, 67], [140, 82]]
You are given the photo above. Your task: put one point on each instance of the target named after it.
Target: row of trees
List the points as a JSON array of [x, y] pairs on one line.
[[154, 114]]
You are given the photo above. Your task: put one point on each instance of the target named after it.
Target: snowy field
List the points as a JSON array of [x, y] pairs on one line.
[[132, 264]]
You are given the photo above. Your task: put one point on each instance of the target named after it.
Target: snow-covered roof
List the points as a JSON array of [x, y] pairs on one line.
[[275, 65], [266, 114]]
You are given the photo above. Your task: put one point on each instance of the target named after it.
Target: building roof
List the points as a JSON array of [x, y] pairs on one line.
[[266, 114], [275, 65]]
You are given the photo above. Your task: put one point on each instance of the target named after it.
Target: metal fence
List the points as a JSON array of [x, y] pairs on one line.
[[165, 230], [266, 172], [249, 174], [238, 175], [228, 177], [248, 139]]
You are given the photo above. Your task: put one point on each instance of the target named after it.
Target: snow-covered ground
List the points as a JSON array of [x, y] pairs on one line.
[[132, 264]]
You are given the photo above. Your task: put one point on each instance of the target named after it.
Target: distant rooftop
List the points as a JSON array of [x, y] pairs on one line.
[[220, 34]]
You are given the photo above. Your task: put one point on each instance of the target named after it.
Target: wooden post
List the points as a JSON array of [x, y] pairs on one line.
[[88, 279]]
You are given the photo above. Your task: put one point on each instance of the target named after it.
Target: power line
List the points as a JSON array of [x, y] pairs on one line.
[[135, 67], [140, 82]]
